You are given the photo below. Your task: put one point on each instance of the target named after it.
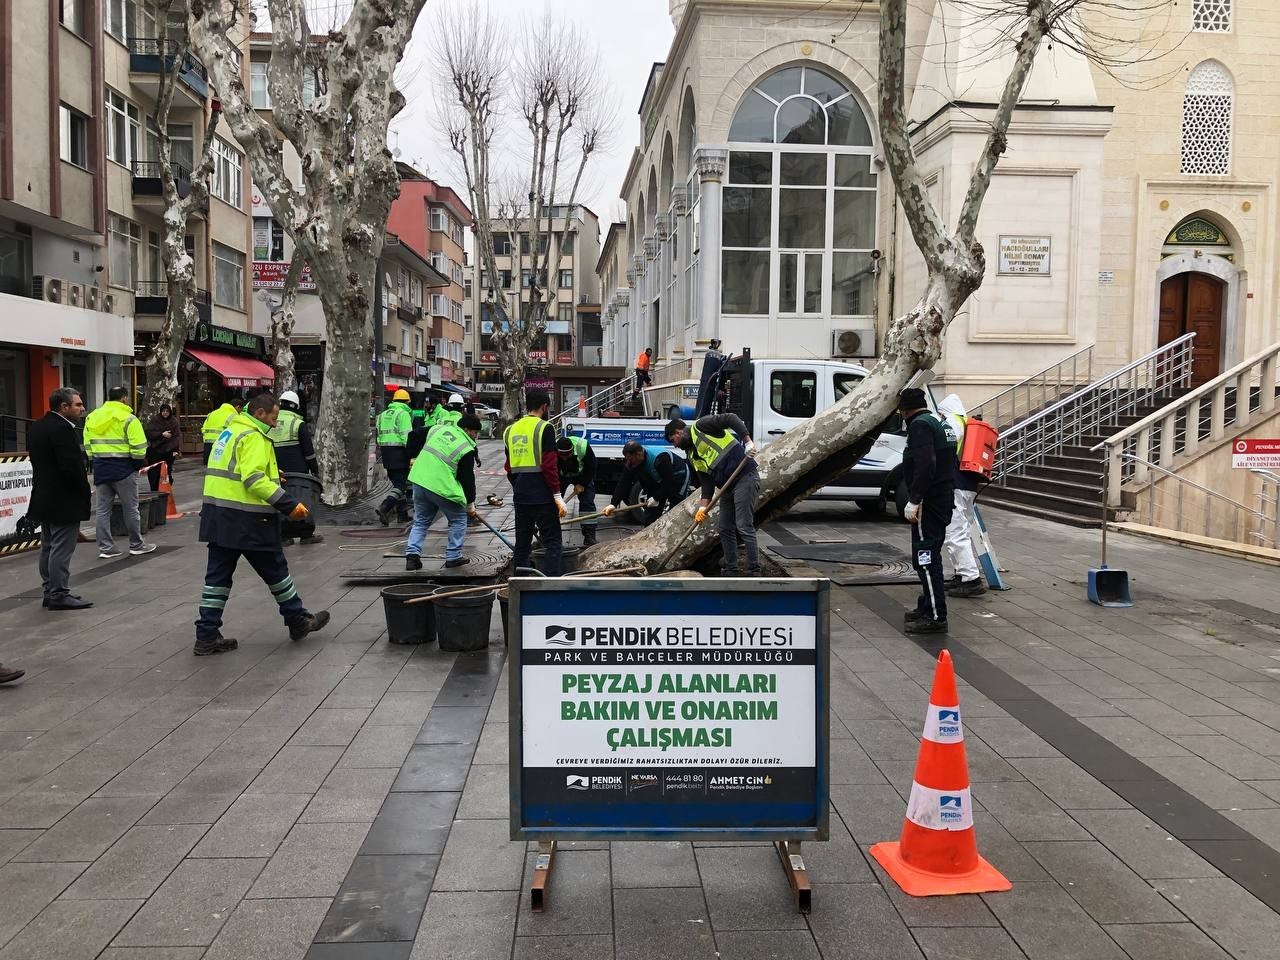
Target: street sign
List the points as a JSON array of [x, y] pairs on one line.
[[669, 708], [1251, 453]]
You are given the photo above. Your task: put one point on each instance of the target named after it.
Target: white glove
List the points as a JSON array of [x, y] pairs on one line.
[[912, 513], [752, 449], [560, 507], [651, 503]]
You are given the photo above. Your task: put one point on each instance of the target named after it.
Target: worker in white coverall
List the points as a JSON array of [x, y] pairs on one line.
[[966, 581]]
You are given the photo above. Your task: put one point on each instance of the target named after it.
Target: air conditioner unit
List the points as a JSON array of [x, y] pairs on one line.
[[93, 298], [391, 241], [108, 303], [75, 294], [49, 289], [858, 342]]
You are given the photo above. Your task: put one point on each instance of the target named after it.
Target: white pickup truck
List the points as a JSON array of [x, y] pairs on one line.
[[771, 397]]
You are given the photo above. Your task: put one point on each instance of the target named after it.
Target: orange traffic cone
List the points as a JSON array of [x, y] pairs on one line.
[[938, 853], [171, 507], [582, 405]]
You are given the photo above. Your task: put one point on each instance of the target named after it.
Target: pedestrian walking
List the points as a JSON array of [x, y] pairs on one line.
[[60, 497], [443, 480], [164, 442], [643, 363], [240, 517], [533, 469], [115, 440], [929, 466], [664, 477], [576, 463], [394, 424], [715, 445], [295, 454], [213, 426], [966, 580]]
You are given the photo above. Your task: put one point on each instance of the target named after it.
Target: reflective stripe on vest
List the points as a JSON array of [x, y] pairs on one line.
[[117, 447], [216, 422], [286, 431], [436, 468], [392, 432], [448, 445], [707, 450], [225, 486], [523, 440]]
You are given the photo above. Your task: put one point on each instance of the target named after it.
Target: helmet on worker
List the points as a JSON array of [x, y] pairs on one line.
[[400, 395], [289, 400], [455, 400]]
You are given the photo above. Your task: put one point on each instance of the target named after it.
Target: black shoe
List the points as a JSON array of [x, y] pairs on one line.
[[926, 625], [460, 562], [412, 561], [952, 582], [755, 571], [8, 676], [384, 516], [967, 588], [589, 538], [314, 538], [219, 644], [287, 541], [911, 616], [309, 624], [69, 603]]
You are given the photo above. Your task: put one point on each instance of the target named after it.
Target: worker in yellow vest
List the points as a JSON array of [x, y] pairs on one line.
[[243, 503], [443, 480], [533, 468], [213, 425], [117, 445]]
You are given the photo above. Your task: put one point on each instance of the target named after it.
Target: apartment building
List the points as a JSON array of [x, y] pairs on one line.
[[573, 325]]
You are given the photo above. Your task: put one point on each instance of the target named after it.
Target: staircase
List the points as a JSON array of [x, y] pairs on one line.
[[1050, 463]]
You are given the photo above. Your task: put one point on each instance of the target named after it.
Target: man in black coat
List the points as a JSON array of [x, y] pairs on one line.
[[60, 495]]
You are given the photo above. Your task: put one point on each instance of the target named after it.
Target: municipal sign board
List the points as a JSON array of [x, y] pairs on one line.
[[1251, 453], [669, 708]]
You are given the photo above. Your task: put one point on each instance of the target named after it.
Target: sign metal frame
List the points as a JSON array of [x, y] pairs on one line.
[[660, 589]]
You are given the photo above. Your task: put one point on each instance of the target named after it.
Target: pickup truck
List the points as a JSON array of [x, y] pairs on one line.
[[771, 397]]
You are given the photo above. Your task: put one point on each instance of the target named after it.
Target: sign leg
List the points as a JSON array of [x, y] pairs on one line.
[[987, 559], [541, 875], [797, 876]]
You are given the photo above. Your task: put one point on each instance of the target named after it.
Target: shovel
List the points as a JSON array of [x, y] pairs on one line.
[[1107, 587]]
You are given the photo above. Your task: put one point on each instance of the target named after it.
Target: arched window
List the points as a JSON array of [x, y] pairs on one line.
[[1211, 16], [799, 200], [1206, 120]]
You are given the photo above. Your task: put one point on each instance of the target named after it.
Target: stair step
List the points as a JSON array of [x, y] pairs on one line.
[[1049, 501], [1038, 482], [1090, 464], [1028, 510], [1086, 477]]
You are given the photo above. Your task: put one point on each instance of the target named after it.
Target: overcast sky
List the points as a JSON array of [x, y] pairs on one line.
[[631, 35]]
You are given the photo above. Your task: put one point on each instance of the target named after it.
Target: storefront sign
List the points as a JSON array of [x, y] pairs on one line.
[[1025, 255], [15, 493], [261, 239], [538, 382], [1254, 454], [224, 338], [537, 356], [489, 358], [38, 323], [424, 372], [308, 358], [656, 708], [269, 275], [400, 370], [564, 357]]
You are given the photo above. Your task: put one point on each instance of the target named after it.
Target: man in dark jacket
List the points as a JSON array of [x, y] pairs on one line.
[[576, 462], [534, 471], [60, 495], [716, 445], [664, 478], [929, 470]]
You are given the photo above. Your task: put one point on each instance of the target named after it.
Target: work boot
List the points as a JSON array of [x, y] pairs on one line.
[[8, 676], [412, 561], [288, 542], [911, 616], [459, 562], [967, 588], [755, 571], [219, 644], [926, 625], [314, 538], [589, 537], [308, 624], [952, 582], [384, 516]]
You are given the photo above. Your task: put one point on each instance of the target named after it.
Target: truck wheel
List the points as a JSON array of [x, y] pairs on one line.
[[872, 508], [633, 517]]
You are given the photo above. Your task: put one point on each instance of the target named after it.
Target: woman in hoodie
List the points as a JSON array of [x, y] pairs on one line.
[[164, 438]]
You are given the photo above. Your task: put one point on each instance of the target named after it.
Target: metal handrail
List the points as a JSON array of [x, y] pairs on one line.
[[603, 399], [1094, 406], [1272, 480], [1210, 495], [1040, 379]]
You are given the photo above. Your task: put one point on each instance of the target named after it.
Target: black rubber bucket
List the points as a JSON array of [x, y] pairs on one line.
[[409, 623], [306, 490], [504, 607], [568, 559], [462, 623]]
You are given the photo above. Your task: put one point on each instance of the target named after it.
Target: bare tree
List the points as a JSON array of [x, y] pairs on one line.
[[337, 219], [821, 449], [554, 86], [282, 320], [184, 192]]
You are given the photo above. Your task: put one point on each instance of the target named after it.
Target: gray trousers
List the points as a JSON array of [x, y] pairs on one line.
[[127, 491], [57, 544], [738, 519]]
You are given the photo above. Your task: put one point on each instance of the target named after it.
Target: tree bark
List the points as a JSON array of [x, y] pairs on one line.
[[282, 321]]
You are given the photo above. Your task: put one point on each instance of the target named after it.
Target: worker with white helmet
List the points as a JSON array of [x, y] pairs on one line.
[[453, 411], [295, 452]]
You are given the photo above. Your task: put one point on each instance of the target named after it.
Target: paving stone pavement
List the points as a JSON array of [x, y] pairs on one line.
[[345, 798]]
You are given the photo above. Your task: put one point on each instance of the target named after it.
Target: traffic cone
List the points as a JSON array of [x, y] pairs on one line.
[[582, 405], [938, 853], [171, 507]]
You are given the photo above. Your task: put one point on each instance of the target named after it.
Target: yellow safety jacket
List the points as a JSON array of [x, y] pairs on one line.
[[285, 432], [436, 467], [215, 422], [523, 440], [243, 498], [707, 450], [114, 438]]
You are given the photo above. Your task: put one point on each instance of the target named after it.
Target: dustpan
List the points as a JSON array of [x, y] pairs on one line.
[[1107, 587]]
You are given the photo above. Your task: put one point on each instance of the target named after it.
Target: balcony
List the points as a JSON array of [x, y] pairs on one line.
[[148, 183], [409, 314], [149, 57], [151, 298]]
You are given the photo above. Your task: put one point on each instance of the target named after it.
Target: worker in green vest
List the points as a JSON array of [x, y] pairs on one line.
[[443, 480], [243, 501], [533, 469], [213, 425], [296, 455], [577, 463], [452, 411], [394, 424]]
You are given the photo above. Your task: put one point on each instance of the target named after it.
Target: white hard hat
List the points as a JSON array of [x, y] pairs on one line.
[[289, 397], [455, 400]]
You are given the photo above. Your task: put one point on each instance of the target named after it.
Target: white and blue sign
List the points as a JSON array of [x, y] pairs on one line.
[[669, 709]]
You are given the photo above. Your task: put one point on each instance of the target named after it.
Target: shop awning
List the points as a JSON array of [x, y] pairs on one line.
[[459, 389], [235, 371]]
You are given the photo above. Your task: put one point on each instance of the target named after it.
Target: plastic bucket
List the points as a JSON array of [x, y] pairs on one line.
[[504, 607], [568, 559], [409, 623], [462, 623], [306, 490]]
